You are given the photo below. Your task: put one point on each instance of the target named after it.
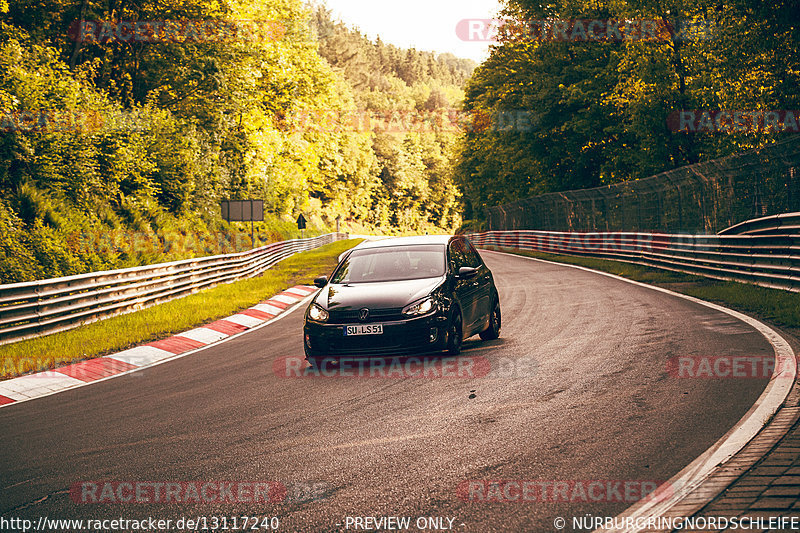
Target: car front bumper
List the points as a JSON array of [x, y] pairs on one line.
[[410, 336]]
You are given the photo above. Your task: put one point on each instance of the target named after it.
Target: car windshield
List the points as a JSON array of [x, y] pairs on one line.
[[392, 264]]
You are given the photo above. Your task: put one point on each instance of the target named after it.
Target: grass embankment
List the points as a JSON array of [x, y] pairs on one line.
[[161, 321], [779, 307]]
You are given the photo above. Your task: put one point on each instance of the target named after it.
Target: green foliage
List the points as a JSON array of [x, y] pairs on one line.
[[152, 135], [412, 186], [599, 110]]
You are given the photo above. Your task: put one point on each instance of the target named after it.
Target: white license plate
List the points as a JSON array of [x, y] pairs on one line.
[[363, 329]]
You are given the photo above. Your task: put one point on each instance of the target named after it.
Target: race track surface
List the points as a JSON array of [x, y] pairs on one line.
[[578, 391]]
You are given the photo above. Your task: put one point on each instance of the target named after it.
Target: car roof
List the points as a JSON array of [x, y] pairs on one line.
[[406, 241]]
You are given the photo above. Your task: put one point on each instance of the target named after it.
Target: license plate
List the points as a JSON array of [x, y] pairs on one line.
[[363, 329]]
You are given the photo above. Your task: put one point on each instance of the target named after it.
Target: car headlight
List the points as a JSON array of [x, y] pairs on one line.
[[317, 313], [419, 308]]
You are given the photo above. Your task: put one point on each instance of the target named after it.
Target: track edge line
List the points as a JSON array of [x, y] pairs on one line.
[[692, 478]]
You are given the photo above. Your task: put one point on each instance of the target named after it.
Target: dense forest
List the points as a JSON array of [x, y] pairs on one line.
[[603, 111], [395, 92], [125, 124]]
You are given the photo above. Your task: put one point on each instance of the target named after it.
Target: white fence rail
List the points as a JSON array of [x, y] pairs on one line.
[[37, 308]]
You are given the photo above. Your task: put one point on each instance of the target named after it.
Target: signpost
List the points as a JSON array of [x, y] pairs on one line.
[[244, 211], [301, 225]]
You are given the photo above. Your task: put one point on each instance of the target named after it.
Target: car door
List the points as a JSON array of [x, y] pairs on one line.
[[483, 284], [466, 290]]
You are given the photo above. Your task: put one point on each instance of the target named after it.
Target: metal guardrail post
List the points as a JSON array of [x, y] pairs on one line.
[[38, 305]]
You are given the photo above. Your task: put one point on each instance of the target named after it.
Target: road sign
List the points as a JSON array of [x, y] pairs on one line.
[[301, 222], [243, 211]]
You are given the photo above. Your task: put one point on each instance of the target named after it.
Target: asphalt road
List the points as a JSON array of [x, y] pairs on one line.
[[590, 398]]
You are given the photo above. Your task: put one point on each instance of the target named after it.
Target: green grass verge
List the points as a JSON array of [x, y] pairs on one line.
[[780, 307], [163, 320]]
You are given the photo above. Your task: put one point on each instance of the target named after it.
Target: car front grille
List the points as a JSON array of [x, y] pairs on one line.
[[351, 316]]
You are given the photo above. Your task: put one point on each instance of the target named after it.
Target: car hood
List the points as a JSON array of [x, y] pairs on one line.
[[381, 295]]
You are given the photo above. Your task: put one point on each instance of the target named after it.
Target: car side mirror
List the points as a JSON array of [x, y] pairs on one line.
[[467, 272], [321, 281]]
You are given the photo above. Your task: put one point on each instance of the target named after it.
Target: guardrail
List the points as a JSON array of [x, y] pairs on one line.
[[767, 260], [37, 308], [788, 223]]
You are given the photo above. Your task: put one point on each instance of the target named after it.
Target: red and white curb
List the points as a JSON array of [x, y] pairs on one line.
[[79, 374]]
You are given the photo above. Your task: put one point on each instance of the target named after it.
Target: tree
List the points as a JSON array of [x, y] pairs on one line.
[[600, 110]]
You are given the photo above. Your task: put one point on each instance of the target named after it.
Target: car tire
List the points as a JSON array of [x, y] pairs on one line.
[[495, 321], [455, 334]]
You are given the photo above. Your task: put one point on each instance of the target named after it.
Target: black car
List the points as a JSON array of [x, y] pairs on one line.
[[407, 295]]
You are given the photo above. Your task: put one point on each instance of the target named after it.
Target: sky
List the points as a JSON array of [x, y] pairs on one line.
[[421, 24]]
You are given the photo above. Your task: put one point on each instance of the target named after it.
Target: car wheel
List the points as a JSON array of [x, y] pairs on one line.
[[455, 334], [493, 331]]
